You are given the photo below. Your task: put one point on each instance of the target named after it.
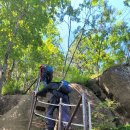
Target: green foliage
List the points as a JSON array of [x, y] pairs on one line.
[[29, 38], [101, 113], [123, 127], [104, 38], [127, 3], [96, 2], [12, 87], [77, 76]]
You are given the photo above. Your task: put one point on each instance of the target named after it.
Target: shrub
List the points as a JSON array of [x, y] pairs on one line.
[[11, 87], [75, 75]]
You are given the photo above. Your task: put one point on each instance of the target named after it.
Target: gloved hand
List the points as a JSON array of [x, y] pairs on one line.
[[35, 93]]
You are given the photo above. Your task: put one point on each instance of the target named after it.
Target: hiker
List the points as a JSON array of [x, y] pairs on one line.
[[58, 90], [46, 74]]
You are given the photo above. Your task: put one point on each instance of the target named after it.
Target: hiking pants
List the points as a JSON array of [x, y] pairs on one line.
[[65, 114]]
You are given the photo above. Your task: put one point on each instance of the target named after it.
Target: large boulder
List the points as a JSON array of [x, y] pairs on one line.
[[7, 102], [115, 82], [16, 113], [18, 117]]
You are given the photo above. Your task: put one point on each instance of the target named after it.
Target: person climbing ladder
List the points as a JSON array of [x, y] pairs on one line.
[[59, 90]]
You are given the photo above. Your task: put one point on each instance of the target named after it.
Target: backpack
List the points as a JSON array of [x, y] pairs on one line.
[[46, 73], [64, 87]]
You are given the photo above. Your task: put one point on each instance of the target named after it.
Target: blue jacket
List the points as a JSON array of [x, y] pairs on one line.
[[52, 88]]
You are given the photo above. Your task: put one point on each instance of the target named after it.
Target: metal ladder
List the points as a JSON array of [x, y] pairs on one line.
[[82, 102]]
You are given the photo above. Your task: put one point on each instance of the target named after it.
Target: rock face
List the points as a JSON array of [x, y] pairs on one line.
[[115, 82], [18, 117], [7, 102]]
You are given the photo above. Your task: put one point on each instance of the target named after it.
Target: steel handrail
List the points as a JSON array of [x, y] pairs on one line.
[[75, 124]]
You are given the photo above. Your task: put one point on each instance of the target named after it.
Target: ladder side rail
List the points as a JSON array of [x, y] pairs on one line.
[[84, 111], [60, 114], [73, 114], [32, 111], [90, 116], [34, 101], [37, 84]]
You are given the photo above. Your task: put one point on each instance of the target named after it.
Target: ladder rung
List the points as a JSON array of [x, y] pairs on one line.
[[81, 125]]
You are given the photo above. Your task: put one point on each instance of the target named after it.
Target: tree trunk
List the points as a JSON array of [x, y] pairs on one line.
[[3, 68], [11, 70], [5, 65], [0, 79]]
